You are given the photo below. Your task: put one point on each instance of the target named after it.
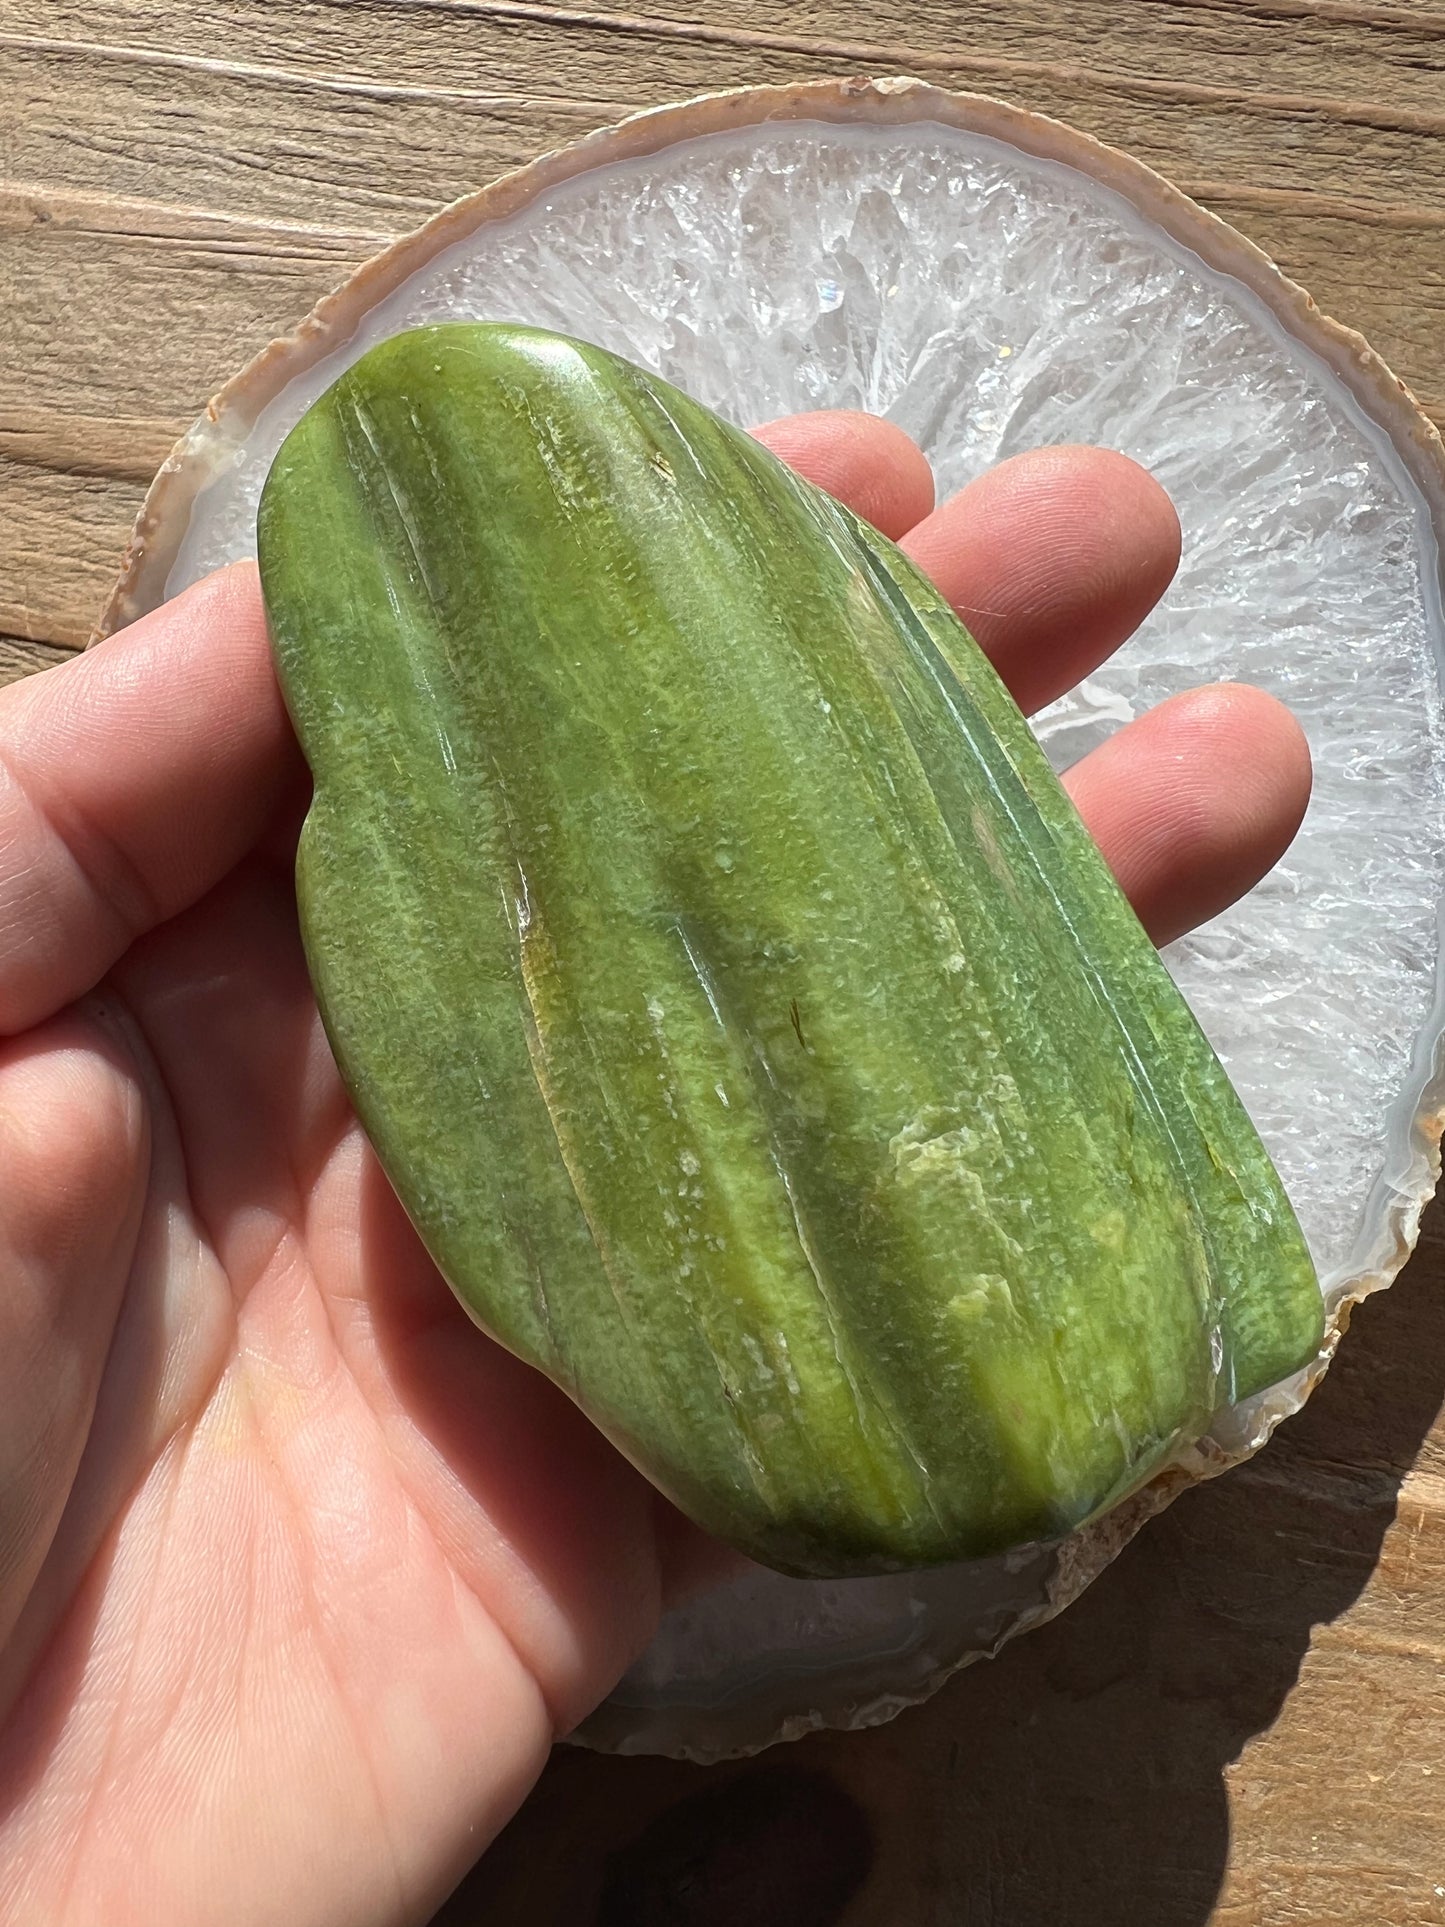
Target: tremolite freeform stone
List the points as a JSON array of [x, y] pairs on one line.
[[755, 1036]]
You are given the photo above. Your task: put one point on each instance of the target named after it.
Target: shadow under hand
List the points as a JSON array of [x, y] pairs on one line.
[[1077, 1781]]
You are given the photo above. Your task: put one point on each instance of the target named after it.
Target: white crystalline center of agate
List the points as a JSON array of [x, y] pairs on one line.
[[989, 302]]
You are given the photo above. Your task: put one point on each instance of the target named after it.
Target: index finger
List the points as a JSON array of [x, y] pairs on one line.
[[132, 779]]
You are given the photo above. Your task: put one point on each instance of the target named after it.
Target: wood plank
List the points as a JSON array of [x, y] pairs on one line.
[[111, 447], [167, 304], [113, 116], [64, 538], [145, 318], [1393, 56], [264, 141], [21, 657]]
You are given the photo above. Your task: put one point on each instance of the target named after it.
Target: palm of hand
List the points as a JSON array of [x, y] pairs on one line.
[[299, 1575]]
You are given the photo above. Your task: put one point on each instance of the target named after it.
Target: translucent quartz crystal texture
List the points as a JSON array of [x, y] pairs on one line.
[[991, 302]]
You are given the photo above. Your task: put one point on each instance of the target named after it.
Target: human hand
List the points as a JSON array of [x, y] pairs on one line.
[[299, 1573]]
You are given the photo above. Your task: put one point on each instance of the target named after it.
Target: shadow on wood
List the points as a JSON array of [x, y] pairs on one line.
[[1078, 1780]]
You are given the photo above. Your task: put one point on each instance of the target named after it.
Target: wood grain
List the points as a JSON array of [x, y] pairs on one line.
[[20, 657], [1244, 1721], [184, 182]]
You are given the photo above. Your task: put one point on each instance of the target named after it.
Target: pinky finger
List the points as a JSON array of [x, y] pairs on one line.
[[1195, 801]]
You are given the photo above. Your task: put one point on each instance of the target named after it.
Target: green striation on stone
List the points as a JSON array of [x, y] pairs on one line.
[[755, 1036]]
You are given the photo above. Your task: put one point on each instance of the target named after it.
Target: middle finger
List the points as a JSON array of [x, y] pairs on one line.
[[1052, 560]]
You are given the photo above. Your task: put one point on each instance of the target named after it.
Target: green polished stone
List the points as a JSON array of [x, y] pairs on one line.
[[755, 1036]]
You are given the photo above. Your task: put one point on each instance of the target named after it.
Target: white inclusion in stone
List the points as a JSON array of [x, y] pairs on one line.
[[990, 303]]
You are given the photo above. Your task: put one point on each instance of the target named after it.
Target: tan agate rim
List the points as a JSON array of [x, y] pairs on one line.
[[229, 417]]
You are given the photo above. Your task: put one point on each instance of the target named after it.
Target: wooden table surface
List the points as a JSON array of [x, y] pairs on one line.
[[1244, 1721]]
